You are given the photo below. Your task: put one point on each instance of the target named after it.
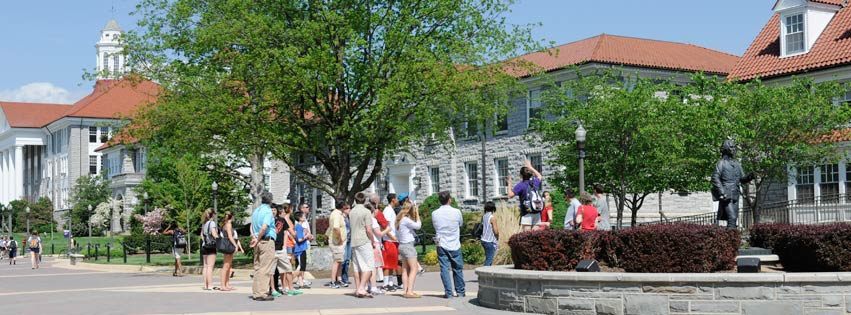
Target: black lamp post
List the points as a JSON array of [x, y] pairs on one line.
[[28, 221], [580, 146], [90, 221], [145, 201]]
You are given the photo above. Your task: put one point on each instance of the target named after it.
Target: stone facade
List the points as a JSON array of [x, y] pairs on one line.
[[502, 287]]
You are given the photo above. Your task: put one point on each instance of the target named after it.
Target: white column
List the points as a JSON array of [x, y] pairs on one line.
[[19, 172], [7, 176], [3, 184]]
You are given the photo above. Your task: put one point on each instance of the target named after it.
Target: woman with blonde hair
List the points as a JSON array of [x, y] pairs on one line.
[[227, 258], [209, 234], [407, 222]]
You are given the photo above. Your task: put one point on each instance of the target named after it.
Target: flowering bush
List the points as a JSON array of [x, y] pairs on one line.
[[101, 214], [819, 247], [153, 221]]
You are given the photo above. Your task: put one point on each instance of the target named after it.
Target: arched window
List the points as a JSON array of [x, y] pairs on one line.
[[105, 62]]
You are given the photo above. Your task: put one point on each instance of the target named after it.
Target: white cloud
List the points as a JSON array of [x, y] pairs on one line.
[[37, 92]]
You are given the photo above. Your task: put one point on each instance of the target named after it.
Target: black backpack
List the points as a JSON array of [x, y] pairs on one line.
[[478, 230], [533, 201], [209, 240], [179, 239]]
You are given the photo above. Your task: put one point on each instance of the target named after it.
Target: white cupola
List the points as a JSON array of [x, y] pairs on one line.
[[110, 59], [801, 23]]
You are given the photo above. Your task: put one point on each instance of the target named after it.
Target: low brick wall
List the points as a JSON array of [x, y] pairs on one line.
[[502, 287]]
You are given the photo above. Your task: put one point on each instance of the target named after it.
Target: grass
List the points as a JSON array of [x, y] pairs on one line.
[[168, 260], [59, 244]]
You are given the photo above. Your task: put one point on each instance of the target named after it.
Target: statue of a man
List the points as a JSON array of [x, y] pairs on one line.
[[725, 184]]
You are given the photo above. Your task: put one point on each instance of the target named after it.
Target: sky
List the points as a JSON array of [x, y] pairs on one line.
[[47, 45]]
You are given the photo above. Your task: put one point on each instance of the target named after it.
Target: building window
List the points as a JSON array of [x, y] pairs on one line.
[[501, 176], [115, 64], [501, 123], [434, 180], [93, 134], [535, 106], [805, 185], [318, 199], [794, 33], [104, 134], [472, 179], [471, 129], [537, 162], [93, 164], [102, 159], [105, 63], [829, 184]]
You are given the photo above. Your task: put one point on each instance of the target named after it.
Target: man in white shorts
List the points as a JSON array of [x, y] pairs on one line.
[[360, 220]]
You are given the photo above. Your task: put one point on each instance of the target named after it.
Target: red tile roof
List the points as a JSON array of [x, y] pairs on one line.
[[630, 51], [31, 115], [115, 99], [121, 138], [831, 49]]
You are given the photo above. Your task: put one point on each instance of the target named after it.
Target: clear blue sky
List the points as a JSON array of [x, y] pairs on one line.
[[47, 44]]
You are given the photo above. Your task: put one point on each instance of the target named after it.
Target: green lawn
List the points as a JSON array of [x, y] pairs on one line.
[[168, 260], [58, 244]]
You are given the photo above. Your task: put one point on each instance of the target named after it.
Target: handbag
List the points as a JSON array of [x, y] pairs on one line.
[[224, 245]]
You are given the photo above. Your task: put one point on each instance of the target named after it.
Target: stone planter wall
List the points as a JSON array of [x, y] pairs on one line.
[[502, 287]]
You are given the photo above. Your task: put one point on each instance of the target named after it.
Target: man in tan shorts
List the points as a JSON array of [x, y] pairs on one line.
[[337, 241]]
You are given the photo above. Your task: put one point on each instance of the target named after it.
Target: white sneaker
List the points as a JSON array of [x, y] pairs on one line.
[[376, 291]]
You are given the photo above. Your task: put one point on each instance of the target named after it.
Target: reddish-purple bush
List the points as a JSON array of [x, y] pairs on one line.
[[552, 250], [321, 225], [678, 248], [822, 247], [765, 235], [658, 248]]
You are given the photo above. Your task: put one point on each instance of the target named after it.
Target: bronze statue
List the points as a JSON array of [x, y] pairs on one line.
[[725, 184]]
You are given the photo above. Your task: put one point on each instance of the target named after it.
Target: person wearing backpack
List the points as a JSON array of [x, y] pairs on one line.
[[178, 240], [528, 190], [209, 234], [13, 250], [34, 243]]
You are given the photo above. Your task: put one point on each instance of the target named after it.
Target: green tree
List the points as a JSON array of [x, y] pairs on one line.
[[343, 83], [40, 215], [88, 191], [778, 126], [641, 137]]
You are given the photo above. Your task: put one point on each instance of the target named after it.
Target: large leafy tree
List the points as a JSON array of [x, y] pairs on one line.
[[88, 191], [643, 137], [40, 215], [343, 83], [780, 126]]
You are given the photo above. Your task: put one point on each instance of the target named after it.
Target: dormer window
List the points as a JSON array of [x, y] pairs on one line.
[[794, 34]]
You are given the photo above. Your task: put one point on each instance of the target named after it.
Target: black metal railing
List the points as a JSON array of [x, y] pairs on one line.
[[816, 210]]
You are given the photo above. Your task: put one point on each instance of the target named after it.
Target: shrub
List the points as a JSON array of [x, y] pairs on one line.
[[246, 242], [507, 223], [322, 239], [552, 250], [678, 248], [559, 210], [819, 248], [470, 221], [765, 235], [656, 248], [159, 243], [473, 253], [321, 225], [430, 258], [430, 204]]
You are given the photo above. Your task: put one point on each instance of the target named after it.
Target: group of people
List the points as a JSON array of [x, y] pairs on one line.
[[9, 249], [378, 244]]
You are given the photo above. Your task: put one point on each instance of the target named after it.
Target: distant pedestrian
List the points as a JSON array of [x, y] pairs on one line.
[[305, 208], [362, 244], [227, 258], [178, 244], [302, 243], [337, 242], [13, 250], [408, 222], [262, 240], [390, 244], [547, 213], [570, 222], [35, 246], [447, 223], [528, 191], [489, 232], [3, 243], [602, 205], [209, 234], [587, 215]]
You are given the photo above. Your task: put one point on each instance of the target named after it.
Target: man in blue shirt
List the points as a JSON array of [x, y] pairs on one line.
[[263, 242]]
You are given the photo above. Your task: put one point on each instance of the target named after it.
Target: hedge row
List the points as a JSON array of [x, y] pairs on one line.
[[658, 248], [821, 248]]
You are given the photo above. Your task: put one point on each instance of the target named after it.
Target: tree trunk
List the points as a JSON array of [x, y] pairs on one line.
[[621, 201], [256, 161]]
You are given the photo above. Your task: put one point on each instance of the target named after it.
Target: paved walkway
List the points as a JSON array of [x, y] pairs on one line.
[[58, 288]]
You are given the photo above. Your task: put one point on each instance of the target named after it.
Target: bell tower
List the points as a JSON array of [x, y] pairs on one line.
[[110, 59]]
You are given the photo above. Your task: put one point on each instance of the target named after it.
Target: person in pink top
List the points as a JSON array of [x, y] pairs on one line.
[[587, 214]]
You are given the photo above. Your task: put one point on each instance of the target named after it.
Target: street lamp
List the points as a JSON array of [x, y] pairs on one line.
[[580, 145], [28, 221], [90, 221], [215, 196]]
